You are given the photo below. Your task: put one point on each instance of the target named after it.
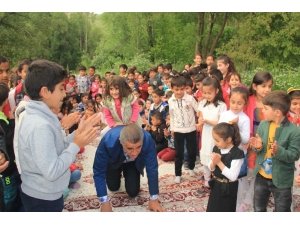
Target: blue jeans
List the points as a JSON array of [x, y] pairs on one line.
[[75, 176], [32, 204], [263, 187]]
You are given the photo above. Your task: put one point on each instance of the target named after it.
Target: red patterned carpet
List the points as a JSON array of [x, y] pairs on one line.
[[173, 197]]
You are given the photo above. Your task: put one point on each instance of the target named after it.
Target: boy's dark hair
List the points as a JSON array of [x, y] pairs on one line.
[[23, 62], [103, 79], [178, 81], [217, 73], [113, 73], [158, 92], [72, 76], [226, 130], [169, 94], [140, 102], [215, 83], [258, 79], [210, 55], [124, 66], [165, 75], [151, 85], [92, 67], [294, 94], [131, 81], [4, 90], [137, 90], [107, 72], [121, 84], [189, 81], [213, 66], [243, 91], [175, 72], [43, 73], [153, 68], [150, 100], [84, 94], [168, 66], [278, 100], [184, 73], [199, 77], [82, 68], [194, 71], [160, 65], [158, 115], [3, 59]]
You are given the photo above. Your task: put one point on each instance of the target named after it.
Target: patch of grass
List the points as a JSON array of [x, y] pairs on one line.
[[284, 78]]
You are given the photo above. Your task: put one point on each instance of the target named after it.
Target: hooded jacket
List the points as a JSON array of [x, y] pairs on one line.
[[44, 154]]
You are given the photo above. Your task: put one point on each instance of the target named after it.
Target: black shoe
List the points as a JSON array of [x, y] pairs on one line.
[[203, 190]]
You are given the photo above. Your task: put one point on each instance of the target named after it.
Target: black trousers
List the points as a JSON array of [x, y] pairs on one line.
[[131, 176], [179, 149]]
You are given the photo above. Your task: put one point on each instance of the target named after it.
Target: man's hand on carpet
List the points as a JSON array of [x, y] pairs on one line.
[[155, 206], [106, 207]]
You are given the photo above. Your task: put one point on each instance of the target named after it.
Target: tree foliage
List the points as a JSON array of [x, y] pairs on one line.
[[136, 38]]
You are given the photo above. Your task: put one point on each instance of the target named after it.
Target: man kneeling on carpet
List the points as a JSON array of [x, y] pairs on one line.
[[129, 149]]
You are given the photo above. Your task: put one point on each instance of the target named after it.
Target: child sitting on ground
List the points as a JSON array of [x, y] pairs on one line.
[[157, 131], [168, 154]]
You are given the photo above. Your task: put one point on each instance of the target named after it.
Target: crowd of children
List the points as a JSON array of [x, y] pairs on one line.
[[240, 133]]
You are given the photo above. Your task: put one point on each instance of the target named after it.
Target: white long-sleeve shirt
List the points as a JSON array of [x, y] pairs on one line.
[[231, 173], [243, 124], [182, 113]]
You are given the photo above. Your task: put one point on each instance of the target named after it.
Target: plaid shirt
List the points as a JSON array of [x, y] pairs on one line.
[[83, 83], [128, 159], [81, 107]]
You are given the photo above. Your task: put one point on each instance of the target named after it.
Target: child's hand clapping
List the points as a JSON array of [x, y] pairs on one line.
[[215, 158], [274, 148], [256, 142], [69, 120]]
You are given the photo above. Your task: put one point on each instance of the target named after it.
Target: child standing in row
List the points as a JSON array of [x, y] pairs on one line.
[[182, 108], [157, 105], [44, 160], [96, 85], [261, 85], [238, 100], [225, 163], [210, 109], [276, 144]]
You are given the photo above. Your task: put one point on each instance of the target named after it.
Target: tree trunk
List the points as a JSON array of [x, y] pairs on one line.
[[212, 22], [150, 39], [219, 34], [200, 30]]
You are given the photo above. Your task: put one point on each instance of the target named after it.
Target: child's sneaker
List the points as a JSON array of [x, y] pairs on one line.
[[192, 173], [177, 179], [186, 165]]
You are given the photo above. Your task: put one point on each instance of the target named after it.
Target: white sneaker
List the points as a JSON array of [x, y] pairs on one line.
[[177, 179], [192, 173]]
